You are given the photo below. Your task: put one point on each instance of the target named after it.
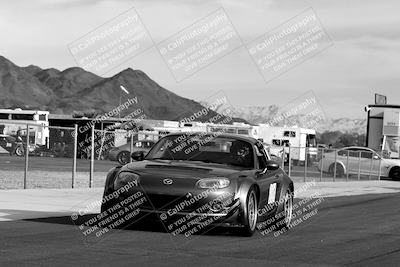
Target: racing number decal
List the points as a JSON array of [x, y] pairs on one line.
[[272, 193]]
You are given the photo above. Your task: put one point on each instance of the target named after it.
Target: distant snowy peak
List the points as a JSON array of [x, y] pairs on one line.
[[267, 114]]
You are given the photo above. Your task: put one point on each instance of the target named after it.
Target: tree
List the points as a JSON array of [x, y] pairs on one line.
[[338, 139]]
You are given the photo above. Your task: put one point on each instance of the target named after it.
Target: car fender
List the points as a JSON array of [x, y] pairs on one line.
[[109, 184], [338, 163], [282, 189], [324, 164], [244, 188], [109, 188], [327, 160]]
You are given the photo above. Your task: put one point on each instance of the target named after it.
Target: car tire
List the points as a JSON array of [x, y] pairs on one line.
[[287, 210], [123, 157], [19, 151], [395, 173], [250, 214], [339, 170]]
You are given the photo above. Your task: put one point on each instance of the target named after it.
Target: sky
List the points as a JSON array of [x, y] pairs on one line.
[[362, 60]]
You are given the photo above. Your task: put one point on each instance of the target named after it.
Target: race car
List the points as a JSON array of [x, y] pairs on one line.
[[121, 153], [193, 178]]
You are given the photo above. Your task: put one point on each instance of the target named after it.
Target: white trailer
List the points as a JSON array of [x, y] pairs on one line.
[[235, 128], [13, 121], [302, 142]]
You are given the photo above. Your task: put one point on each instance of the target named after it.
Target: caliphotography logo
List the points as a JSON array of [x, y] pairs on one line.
[[112, 43], [288, 45], [199, 45], [305, 111]]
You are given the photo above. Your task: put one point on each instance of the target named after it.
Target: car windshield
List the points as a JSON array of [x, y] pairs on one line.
[[383, 154], [205, 148], [144, 144]]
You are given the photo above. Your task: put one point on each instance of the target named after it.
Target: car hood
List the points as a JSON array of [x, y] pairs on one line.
[[187, 168], [184, 175]]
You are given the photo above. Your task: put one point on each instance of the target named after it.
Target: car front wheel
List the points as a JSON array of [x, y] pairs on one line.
[[339, 170], [287, 209], [123, 157], [395, 173], [19, 151], [251, 213]]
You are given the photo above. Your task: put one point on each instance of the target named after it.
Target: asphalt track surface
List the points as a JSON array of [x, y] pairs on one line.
[[351, 231]]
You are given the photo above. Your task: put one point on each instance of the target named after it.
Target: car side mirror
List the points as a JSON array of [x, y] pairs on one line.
[[272, 165], [376, 157], [138, 155]]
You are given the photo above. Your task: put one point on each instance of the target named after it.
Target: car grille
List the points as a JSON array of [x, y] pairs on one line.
[[163, 202]]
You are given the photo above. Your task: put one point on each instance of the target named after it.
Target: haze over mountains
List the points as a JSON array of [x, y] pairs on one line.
[[76, 90], [263, 114]]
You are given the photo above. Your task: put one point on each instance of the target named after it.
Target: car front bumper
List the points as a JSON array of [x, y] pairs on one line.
[[219, 211]]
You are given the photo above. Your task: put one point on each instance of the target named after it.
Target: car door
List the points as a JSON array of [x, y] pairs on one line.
[[352, 162], [349, 158], [376, 163], [360, 158], [369, 164], [342, 156], [269, 182]]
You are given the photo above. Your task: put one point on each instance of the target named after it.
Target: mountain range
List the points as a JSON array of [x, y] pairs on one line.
[[75, 90]]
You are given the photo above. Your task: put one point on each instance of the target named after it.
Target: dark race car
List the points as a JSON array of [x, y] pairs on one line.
[[199, 180], [121, 153]]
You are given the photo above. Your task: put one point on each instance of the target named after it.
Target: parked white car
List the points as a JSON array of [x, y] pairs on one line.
[[356, 159]]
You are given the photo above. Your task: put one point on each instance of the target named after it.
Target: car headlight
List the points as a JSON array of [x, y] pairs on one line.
[[126, 179], [217, 182]]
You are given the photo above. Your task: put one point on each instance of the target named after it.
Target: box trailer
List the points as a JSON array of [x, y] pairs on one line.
[[302, 142]]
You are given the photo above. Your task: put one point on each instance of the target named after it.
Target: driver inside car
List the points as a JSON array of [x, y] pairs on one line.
[[240, 154]]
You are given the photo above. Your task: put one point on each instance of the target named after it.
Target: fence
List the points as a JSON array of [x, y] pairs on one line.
[[65, 159], [329, 164], [69, 160]]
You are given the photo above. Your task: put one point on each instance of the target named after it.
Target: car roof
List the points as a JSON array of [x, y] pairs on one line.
[[224, 135], [358, 147]]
